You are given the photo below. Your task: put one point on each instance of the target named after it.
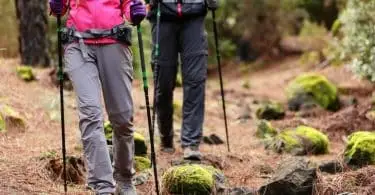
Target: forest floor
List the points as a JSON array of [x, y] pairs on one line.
[[22, 171]]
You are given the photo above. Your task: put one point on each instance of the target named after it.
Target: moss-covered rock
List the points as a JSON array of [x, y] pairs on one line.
[[190, 179], [360, 149], [139, 139], [312, 88], [141, 163], [140, 144], [265, 130], [11, 119], [25, 73], [108, 129], [270, 111], [300, 141]]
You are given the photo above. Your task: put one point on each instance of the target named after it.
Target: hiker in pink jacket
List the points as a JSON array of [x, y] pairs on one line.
[[98, 61]]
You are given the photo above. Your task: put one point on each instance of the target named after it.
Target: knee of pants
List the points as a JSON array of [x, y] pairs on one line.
[[122, 123], [91, 118], [196, 74], [90, 114]]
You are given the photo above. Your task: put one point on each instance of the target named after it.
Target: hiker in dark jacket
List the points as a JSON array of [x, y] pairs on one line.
[[181, 33]]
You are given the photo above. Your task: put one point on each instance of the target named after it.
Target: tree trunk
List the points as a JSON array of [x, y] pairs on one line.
[[32, 22]]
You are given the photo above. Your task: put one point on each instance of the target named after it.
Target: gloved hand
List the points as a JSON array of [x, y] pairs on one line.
[[56, 6], [137, 12], [212, 4]]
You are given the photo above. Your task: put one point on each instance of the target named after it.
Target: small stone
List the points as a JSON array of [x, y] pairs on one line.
[[331, 167], [293, 176], [270, 111], [213, 139]]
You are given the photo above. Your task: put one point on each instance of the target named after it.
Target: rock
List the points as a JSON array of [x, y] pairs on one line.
[[292, 177], [360, 149], [75, 169], [270, 111], [140, 144], [300, 141], [141, 163], [207, 160], [141, 178], [212, 139], [11, 120], [246, 84], [25, 73], [312, 88], [265, 130], [139, 140], [192, 179], [331, 167], [242, 191]]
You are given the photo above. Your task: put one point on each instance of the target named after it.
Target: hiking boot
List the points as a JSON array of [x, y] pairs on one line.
[[126, 190], [166, 145], [192, 153], [168, 150]]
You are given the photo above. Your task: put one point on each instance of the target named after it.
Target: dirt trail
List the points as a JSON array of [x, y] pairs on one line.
[[22, 173]]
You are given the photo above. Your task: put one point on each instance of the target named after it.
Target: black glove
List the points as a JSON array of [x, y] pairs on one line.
[[212, 4]]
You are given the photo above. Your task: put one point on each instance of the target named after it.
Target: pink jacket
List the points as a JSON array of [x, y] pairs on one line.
[[96, 14]]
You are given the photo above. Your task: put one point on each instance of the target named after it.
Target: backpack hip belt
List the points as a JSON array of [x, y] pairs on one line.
[[121, 33]]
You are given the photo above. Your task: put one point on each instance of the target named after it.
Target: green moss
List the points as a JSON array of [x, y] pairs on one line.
[[290, 140], [302, 140], [141, 163], [270, 111], [265, 130], [25, 73], [9, 118], [319, 141], [246, 85], [108, 129], [140, 144], [189, 179], [139, 139], [316, 86], [360, 149], [2, 123], [336, 26]]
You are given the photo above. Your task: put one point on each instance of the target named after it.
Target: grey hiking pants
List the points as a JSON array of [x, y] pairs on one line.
[[188, 39], [108, 70]]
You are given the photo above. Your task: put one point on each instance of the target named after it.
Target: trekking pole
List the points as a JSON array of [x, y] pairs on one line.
[[61, 79], [156, 64], [221, 76], [145, 87]]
